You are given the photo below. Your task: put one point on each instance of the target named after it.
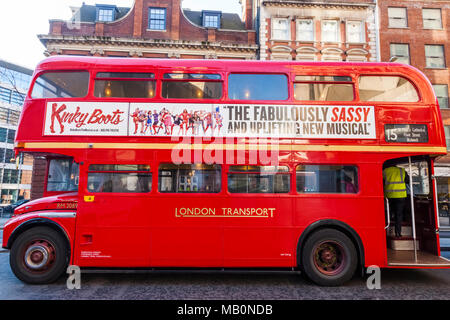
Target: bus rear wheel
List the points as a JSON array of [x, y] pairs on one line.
[[39, 255], [329, 258]]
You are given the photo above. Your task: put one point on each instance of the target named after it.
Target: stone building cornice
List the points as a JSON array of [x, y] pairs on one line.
[[318, 4], [144, 43]]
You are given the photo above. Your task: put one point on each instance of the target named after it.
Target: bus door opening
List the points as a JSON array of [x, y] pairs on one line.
[[410, 198]]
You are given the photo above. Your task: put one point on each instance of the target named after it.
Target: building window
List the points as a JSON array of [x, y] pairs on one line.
[[11, 136], [432, 18], [434, 55], [330, 31], [355, 32], [10, 176], [401, 52], [281, 29], [397, 18], [9, 195], [441, 91], [105, 15], [9, 116], [305, 30], [14, 78], [12, 97], [211, 20], [447, 136], [157, 18]]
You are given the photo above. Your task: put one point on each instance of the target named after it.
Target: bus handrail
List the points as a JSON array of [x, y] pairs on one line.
[[388, 214]]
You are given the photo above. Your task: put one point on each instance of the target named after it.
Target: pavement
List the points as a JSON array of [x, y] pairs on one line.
[[3, 221]]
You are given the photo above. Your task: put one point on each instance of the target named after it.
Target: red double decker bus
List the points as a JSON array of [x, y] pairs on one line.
[[226, 164]]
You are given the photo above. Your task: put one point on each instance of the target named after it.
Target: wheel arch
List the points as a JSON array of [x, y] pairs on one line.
[[337, 225], [38, 222]]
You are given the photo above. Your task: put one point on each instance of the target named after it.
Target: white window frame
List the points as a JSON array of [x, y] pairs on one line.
[[298, 33], [160, 12], [440, 57], [338, 31], [445, 86], [105, 15], [392, 16], [440, 18], [212, 21], [362, 35], [400, 44], [288, 24], [447, 136]]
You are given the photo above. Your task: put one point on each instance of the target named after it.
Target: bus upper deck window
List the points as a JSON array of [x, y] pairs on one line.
[[323, 88], [61, 85], [125, 85], [386, 89], [258, 87], [192, 86]]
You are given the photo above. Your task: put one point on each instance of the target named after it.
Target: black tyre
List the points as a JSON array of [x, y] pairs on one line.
[[329, 258], [39, 255]]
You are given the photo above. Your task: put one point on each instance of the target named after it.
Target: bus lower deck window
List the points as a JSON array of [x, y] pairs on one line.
[[258, 179], [119, 178], [327, 179], [187, 178]]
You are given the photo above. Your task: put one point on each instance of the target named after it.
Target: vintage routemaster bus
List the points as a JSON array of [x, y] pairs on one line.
[[226, 164]]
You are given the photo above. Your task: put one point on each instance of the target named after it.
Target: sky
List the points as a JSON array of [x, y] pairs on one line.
[[19, 28]]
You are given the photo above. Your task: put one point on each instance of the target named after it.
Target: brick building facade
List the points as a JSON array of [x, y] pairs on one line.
[[318, 30], [418, 33], [153, 29]]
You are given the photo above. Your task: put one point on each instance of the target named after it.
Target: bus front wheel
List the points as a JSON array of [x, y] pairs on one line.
[[39, 255], [329, 258]]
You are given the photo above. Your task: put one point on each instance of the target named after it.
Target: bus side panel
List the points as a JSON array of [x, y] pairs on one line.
[[259, 241], [363, 212], [177, 240], [113, 231]]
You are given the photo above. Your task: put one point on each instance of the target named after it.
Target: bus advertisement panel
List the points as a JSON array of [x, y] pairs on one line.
[[209, 120]]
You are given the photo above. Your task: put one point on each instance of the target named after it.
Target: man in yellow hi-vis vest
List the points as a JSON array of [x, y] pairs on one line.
[[395, 180]]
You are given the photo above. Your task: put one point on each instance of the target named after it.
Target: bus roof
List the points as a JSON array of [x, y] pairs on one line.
[[77, 62]]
